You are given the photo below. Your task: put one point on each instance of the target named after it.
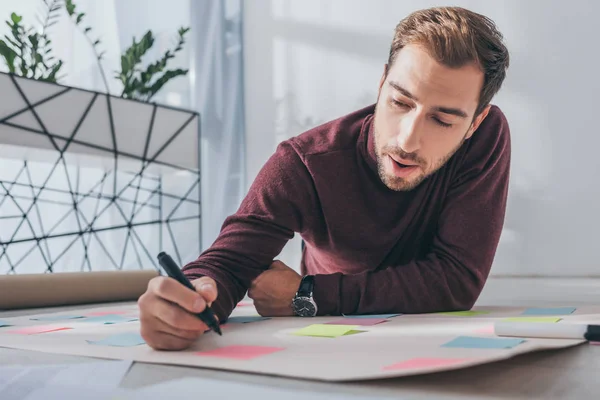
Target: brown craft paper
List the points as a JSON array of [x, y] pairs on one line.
[[66, 288]]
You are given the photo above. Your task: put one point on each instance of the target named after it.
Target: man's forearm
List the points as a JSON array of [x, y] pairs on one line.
[[429, 285]]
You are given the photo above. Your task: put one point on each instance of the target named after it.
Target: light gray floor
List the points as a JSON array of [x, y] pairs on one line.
[[569, 373]]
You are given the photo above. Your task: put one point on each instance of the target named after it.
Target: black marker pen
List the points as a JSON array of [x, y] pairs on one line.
[[207, 316]]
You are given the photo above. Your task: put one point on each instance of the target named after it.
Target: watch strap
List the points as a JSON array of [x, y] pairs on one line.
[[306, 286]]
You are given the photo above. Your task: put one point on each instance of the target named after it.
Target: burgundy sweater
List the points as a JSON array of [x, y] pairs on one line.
[[371, 249]]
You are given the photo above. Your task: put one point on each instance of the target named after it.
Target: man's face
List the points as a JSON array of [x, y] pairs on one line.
[[424, 112]]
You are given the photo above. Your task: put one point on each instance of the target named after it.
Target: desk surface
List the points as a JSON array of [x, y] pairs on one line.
[[567, 373]]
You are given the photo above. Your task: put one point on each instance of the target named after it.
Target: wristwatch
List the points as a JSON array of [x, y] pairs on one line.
[[303, 303]]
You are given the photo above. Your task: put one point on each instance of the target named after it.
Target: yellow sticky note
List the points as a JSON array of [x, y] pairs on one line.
[[464, 313], [532, 319], [327, 330]]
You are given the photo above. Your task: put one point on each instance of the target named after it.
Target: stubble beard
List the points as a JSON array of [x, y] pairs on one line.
[[398, 184]]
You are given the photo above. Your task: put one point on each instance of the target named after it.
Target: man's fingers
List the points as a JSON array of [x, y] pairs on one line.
[[182, 333], [172, 315], [207, 287], [165, 341], [173, 291]]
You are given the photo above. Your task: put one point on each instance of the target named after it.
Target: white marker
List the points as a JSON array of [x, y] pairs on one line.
[[548, 330]]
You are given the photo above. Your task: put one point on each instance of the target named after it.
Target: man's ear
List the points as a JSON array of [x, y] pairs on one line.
[[477, 121]]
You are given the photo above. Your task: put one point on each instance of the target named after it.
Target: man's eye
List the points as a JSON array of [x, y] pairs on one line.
[[399, 103], [442, 123]]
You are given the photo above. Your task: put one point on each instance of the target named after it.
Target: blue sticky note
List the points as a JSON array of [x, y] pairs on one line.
[[247, 319], [56, 317], [471, 342], [120, 340], [4, 323], [377, 316], [108, 319], [549, 311]]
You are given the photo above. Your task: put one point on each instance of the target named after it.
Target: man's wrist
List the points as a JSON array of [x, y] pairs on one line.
[[326, 293], [303, 304]]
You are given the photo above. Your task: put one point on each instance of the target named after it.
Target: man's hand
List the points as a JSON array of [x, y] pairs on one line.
[[274, 290], [166, 312]]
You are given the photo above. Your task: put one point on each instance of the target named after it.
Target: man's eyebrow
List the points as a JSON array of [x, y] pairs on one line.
[[446, 110]]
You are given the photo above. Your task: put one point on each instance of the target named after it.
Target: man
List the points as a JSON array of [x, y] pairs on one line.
[[400, 204]]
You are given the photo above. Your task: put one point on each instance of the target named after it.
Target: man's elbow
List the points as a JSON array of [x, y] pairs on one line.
[[466, 295]]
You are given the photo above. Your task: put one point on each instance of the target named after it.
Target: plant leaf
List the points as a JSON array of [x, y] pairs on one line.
[[70, 7], [34, 40], [16, 19], [9, 55], [54, 71], [160, 82], [13, 43]]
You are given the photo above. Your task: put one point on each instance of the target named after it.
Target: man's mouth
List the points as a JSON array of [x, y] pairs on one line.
[[403, 163], [401, 168]]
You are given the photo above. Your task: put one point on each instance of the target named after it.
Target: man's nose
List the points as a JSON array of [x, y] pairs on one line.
[[409, 137]]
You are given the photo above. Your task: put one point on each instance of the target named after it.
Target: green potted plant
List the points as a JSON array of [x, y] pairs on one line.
[[127, 134]]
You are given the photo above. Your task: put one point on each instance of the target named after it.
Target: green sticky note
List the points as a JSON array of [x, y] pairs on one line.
[[532, 319], [464, 313], [327, 330]]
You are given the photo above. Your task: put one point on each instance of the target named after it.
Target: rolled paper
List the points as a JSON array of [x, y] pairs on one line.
[[71, 288]]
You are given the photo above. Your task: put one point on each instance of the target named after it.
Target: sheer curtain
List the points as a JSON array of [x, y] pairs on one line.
[[213, 86]]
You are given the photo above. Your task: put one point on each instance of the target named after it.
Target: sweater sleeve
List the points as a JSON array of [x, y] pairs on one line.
[[452, 274], [251, 238]]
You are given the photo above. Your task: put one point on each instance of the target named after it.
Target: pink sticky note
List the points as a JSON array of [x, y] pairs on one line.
[[357, 321], [417, 363], [244, 304], [595, 343], [487, 330], [240, 352], [103, 313], [31, 330]]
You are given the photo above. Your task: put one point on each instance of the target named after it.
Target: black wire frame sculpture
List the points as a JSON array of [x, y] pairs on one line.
[[58, 215]]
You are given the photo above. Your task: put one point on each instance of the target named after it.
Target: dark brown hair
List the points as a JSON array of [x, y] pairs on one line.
[[454, 37]]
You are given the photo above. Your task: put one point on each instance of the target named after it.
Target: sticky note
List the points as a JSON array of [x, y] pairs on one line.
[[120, 340], [327, 330], [32, 330], [103, 313], [470, 342], [464, 313], [549, 311], [418, 363], [357, 321], [4, 323], [595, 343], [56, 317], [244, 304], [108, 319], [240, 352], [382, 316], [532, 319], [247, 319], [486, 330]]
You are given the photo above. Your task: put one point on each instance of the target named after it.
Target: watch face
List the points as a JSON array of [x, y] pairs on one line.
[[304, 307]]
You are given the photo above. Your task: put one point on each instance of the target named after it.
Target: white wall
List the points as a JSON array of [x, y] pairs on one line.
[[310, 61]]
